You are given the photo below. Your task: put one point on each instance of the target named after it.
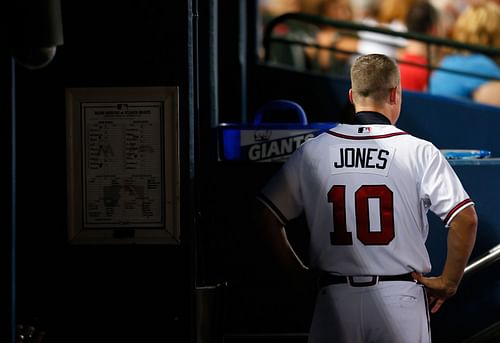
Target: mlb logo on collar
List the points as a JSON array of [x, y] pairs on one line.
[[364, 129]]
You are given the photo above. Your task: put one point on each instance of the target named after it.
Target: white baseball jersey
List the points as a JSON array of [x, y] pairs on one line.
[[365, 191]]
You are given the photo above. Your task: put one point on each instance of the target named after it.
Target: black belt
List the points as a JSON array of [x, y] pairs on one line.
[[328, 279]]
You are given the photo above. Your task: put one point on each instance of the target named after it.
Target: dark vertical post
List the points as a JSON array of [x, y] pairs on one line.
[[242, 57], [7, 200], [189, 238], [213, 60], [254, 42]]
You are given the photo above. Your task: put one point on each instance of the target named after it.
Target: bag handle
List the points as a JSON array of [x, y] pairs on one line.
[[281, 105]]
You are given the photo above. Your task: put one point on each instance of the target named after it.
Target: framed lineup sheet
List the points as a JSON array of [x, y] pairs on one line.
[[123, 165]]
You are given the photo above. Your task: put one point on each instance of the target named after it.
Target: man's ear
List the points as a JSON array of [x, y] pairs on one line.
[[350, 96], [393, 95]]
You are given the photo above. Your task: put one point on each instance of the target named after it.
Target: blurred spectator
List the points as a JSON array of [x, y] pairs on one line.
[[488, 93], [364, 9], [391, 14], [479, 25], [326, 60], [281, 53], [449, 10], [422, 18], [274, 8], [388, 14]]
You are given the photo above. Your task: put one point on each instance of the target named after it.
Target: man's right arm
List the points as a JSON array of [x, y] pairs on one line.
[[273, 238]]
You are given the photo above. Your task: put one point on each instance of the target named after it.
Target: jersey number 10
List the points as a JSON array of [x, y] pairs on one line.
[[383, 236]]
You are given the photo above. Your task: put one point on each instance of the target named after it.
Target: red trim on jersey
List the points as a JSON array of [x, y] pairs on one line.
[[455, 209], [340, 135]]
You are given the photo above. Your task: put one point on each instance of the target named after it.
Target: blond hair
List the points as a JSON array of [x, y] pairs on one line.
[[479, 25], [373, 76]]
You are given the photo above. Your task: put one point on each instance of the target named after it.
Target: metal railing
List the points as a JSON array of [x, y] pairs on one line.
[[490, 257], [269, 38]]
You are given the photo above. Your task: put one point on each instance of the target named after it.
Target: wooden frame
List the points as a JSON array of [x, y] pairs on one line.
[[123, 165]]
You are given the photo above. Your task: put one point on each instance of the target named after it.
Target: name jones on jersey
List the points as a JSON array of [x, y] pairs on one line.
[[366, 159]]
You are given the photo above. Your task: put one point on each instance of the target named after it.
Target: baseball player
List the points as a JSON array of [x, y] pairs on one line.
[[365, 189]]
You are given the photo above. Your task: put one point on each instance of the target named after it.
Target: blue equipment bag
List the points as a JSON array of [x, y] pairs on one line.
[[268, 141]]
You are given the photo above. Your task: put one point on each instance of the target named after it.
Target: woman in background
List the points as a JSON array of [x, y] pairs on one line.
[[478, 24]]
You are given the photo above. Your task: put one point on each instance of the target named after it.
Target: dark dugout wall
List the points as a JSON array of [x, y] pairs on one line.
[[101, 293]]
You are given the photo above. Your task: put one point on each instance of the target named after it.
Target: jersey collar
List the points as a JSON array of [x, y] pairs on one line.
[[369, 117]]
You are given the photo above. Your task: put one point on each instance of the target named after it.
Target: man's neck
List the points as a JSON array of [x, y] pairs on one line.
[[372, 108], [370, 117]]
